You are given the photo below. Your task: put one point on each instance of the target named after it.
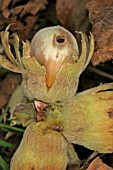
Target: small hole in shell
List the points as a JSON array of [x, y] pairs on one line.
[[60, 39]]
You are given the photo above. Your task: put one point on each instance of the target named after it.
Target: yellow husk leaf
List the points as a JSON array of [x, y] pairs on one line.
[[88, 119]]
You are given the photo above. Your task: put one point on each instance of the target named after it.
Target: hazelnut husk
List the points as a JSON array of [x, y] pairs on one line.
[[40, 149], [87, 119]]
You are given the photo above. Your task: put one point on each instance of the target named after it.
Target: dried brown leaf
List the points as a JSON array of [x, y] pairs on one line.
[[33, 7], [22, 30], [4, 4], [6, 13], [30, 20], [17, 10], [23, 14], [7, 86], [63, 9], [101, 16], [72, 14], [3, 21], [97, 164], [3, 100]]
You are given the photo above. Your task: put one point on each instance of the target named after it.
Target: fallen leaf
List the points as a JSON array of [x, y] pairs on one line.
[[7, 86], [3, 21], [6, 13], [97, 164], [73, 15], [17, 10], [33, 7], [101, 17], [3, 100], [18, 13], [4, 4]]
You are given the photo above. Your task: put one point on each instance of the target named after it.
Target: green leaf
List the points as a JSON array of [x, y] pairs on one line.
[[4, 113], [6, 144], [12, 128], [8, 130], [3, 164]]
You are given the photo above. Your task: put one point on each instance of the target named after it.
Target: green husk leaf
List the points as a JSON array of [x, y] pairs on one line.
[[9, 66], [17, 97], [90, 50], [82, 58], [3, 164], [16, 48], [5, 43], [6, 144], [25, 113], [73, 158], [88, 119], [30, 62]]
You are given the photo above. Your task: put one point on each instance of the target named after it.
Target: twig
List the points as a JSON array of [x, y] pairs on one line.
[[99, 72]]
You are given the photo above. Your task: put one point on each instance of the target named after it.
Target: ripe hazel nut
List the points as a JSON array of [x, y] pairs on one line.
[[57, 65], [50, 65], [51, 46]]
